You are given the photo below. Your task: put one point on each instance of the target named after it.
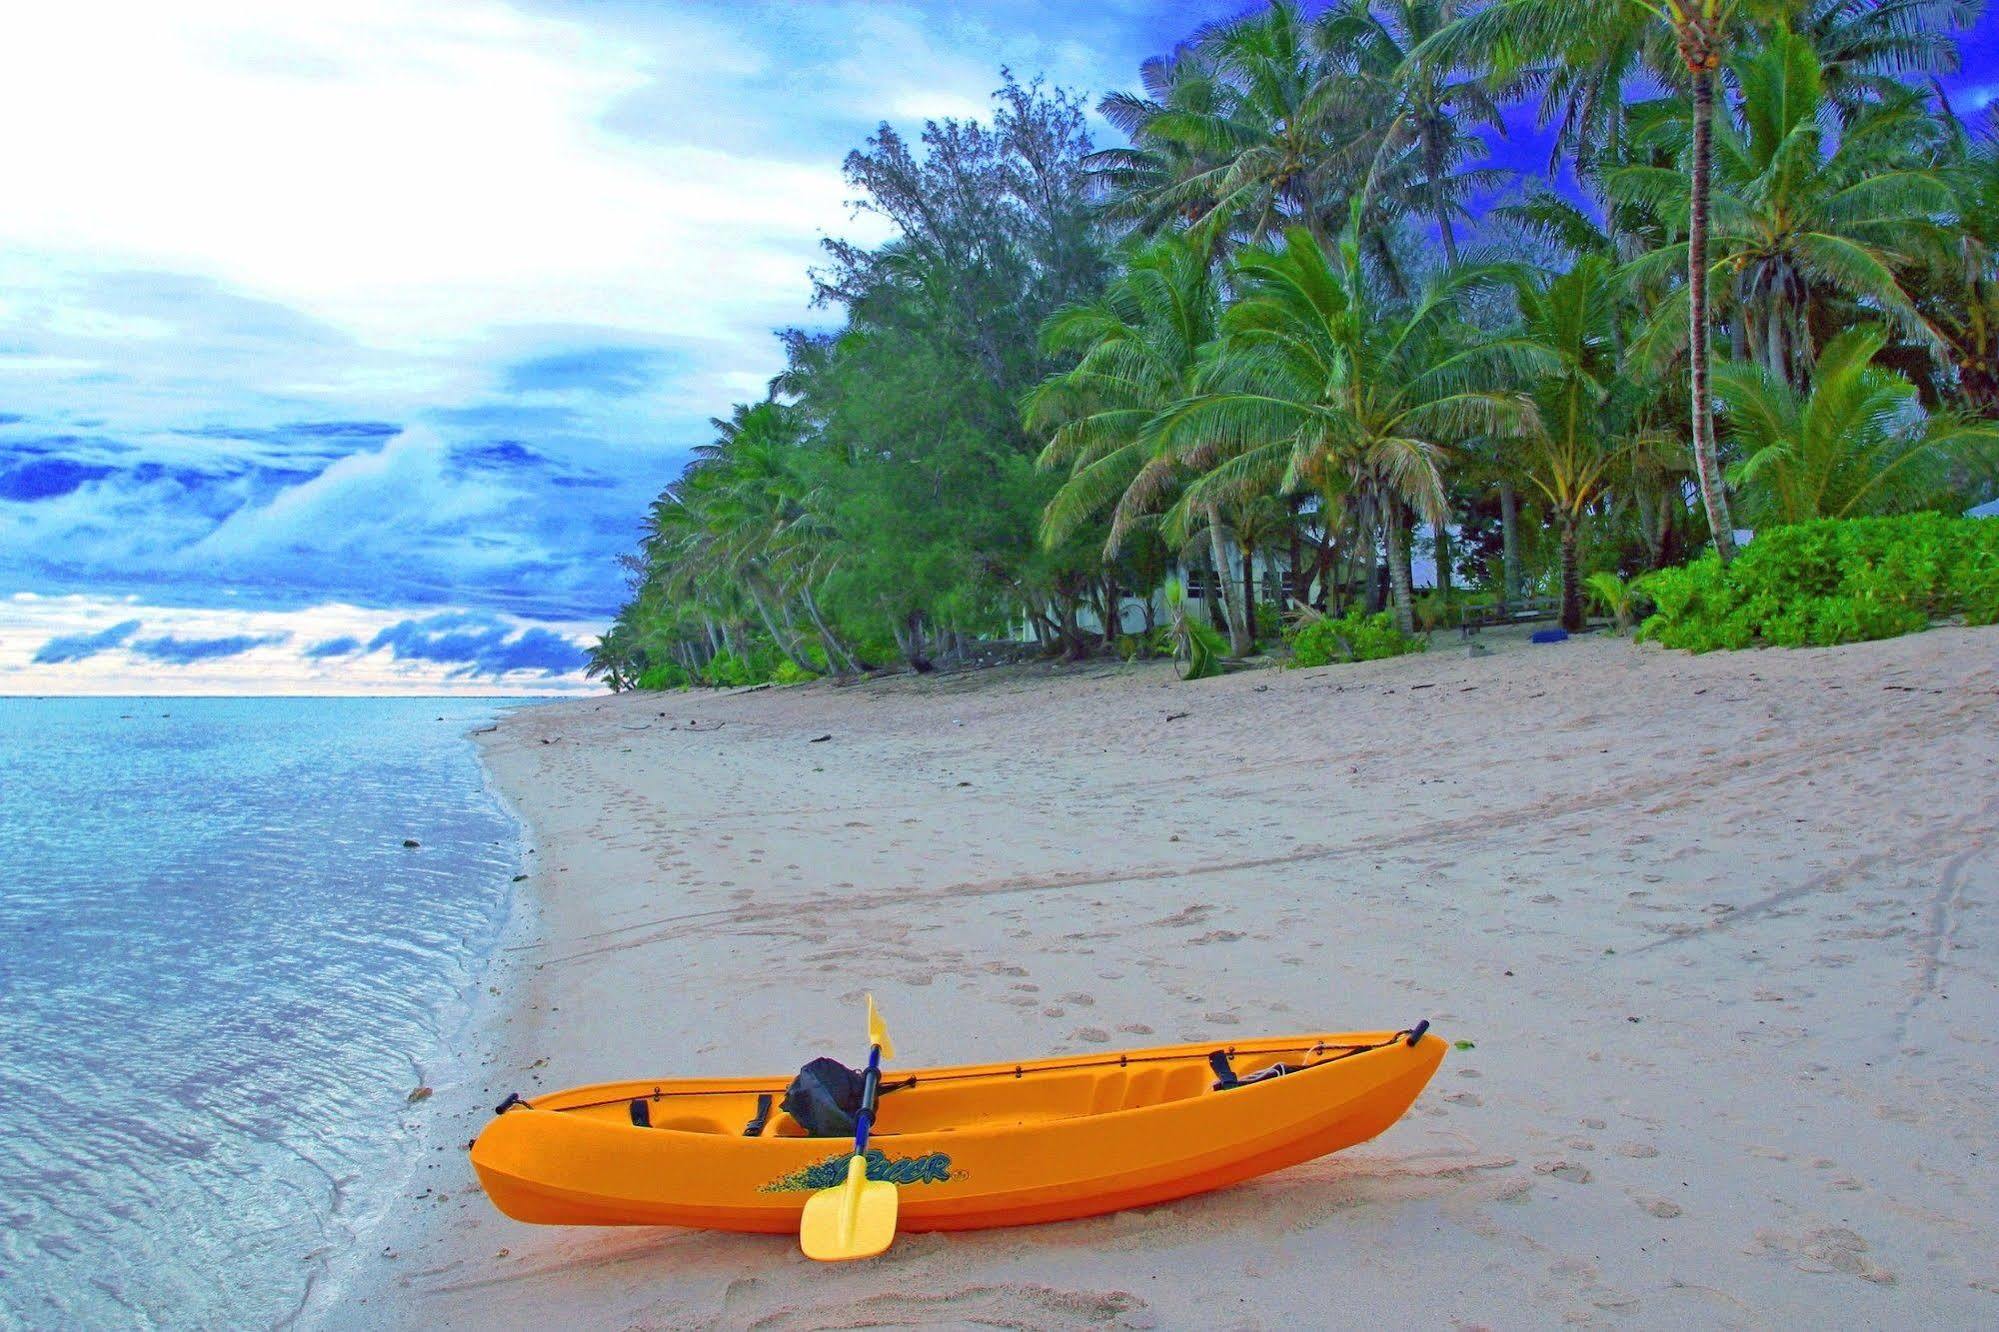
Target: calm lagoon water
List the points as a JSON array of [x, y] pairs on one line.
[[221, 975]]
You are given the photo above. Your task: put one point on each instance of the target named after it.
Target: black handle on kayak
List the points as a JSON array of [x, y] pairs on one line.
[[1416, 1032], [871, 1085]]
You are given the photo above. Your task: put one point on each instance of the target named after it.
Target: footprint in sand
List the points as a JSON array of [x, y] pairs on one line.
[[1095, 1035], [1567, 1170], [1136, 1029], [1824, 1249], [1079, 999], [1637, 1151], [1659, 1207]]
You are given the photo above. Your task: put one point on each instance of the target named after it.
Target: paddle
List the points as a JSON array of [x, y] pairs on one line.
[[856, 1218]]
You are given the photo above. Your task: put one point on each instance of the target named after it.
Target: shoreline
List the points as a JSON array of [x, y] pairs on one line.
[[353, 1279], [1714, 1072]]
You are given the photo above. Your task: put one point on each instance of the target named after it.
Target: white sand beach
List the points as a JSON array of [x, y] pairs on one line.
[[1719, 931]]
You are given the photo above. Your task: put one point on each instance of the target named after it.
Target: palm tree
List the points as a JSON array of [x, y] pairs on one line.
[[1857, 443], [1138, 347], [1582, 403], [1702, 33], [1864, 45], [1234, 136], [1804, 218], [1435, 108], [1957, 287], [1321, 385], [1588, 48], [1150, 184]]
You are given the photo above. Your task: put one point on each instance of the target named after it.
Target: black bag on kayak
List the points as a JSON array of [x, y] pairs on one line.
[[824, 1098]]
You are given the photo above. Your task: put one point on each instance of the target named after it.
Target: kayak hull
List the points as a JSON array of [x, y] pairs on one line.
[[970, 1147]]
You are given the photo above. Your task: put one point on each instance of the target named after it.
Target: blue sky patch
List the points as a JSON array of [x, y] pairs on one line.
[[181, 651], [612, 371], [46, 478], [76, 647], [479, 645]]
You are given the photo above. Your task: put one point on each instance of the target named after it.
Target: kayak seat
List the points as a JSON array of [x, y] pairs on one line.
[[1143, 1087]]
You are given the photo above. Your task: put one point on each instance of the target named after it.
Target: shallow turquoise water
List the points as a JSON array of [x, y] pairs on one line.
[[221, 975]]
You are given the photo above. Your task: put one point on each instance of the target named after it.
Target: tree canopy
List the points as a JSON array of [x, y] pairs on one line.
[[1296, 331]]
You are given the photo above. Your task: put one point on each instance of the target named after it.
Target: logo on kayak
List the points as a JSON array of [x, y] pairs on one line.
[[932, 1169]]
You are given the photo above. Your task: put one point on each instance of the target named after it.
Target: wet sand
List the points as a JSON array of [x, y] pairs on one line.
[[1718, 929]]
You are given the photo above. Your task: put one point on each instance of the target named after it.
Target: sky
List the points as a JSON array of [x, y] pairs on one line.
[[344, 342]]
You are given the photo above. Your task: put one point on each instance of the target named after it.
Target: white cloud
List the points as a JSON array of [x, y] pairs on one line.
[[407, 172], [230, 222], [365, 501], [279, 662]]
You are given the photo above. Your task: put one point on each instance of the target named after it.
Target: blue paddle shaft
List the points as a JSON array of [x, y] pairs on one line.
[[871, 1084]]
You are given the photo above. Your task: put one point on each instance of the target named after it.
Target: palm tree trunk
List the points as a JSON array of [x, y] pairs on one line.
[[1442, 531], [1405, 526], [1249, 593], [1702, 61], [778, 636], [1572, 582], [837, 654], [1073, 646], [1509, 544], [1370, 548], [1324, 562], [1398, 570], [1238, 645]]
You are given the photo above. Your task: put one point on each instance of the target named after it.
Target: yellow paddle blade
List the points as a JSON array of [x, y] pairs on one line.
[[851, 1220], [878, 1031]]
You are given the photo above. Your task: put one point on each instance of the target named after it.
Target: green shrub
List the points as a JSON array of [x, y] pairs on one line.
[[726, 670], [1434, 611], [1830, 581], [1613, 596], [1195, 644], [790, 672], [1356, 636], [665, 675], [1137, 647]]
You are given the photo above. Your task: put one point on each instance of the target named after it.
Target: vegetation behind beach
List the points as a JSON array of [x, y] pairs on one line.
[[1297, 312]]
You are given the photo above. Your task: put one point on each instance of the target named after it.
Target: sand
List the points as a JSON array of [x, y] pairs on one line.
[[1718, 931]]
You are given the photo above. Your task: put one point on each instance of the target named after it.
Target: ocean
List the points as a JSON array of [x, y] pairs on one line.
[[222, 975]]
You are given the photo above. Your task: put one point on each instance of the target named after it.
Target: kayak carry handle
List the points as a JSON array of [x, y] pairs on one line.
[[1416, 1032], [513, 1099]]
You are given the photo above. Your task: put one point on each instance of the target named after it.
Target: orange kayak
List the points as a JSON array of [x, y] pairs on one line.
[[971, 1146]]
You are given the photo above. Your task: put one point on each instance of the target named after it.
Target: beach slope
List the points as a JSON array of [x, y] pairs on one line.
[[1715, 935]]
